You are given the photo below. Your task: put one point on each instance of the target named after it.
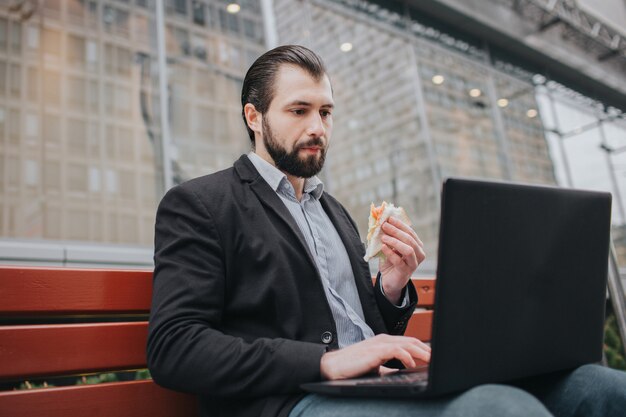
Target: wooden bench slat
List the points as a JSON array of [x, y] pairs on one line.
[[39, 291], [420, 325], [425, 288], [46, 350], [119, 399], [425, 291]]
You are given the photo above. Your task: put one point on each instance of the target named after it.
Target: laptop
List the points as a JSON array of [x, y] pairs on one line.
[[520, 289]]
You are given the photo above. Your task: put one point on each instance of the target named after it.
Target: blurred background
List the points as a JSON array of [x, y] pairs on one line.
[[105, 104]]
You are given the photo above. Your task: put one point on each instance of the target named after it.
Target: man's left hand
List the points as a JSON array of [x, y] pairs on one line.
[[404, 251]]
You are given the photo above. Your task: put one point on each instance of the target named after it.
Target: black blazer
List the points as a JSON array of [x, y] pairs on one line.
[[238, 308]]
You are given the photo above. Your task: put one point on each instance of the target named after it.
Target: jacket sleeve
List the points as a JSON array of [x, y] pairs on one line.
[[185, 349], [396, 318]]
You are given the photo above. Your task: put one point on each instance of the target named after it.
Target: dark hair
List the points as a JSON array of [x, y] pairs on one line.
[[258, 85]]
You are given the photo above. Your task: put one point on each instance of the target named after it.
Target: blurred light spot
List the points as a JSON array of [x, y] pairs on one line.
[[438, 79], [502, 102], [475, 92], [346, 47], [233, 8], [532, 113]]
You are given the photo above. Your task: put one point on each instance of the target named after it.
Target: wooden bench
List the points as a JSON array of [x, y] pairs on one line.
[[75, 322]]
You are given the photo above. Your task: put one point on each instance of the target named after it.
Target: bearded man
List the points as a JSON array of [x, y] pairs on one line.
[[260, 283]]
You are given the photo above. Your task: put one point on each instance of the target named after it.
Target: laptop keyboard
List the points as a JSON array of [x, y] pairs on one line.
[[397, 378]]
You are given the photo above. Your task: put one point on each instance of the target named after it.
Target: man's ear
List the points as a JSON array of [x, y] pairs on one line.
[[253, 118]]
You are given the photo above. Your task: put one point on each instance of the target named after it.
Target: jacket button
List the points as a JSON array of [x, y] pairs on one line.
[[327, 337]]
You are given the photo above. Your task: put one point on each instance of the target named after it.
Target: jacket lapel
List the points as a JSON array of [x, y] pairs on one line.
[[268, 197]]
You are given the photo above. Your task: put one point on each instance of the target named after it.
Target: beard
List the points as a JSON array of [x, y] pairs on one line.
[[290, 162]]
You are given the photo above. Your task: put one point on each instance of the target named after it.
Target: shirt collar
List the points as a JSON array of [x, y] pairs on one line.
[[275, 177]]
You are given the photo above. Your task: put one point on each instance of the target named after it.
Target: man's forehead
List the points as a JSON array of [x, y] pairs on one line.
[[294, 84]]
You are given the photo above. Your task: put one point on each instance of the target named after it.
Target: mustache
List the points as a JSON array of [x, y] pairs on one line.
[[313, 142]]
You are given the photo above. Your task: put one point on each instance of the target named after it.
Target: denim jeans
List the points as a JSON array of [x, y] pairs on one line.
[[590, 391]]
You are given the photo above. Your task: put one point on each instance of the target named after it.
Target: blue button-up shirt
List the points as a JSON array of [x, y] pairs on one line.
[[327, 248]]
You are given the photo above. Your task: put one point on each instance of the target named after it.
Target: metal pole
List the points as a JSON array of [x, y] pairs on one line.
[[425, 133], [164, 98], [504, 150], [269, 24], [609, 162], [557, 129], [616, 293]]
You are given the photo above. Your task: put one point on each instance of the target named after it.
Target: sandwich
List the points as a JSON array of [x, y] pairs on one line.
[[378, 216]]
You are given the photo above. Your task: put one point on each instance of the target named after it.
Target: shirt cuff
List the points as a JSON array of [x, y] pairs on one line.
[[405, 299]]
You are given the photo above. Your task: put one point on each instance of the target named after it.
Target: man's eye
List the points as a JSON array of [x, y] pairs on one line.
[[325, 113], [299, 112]]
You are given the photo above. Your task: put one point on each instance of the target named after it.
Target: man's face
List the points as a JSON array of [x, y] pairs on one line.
[[297, 127]]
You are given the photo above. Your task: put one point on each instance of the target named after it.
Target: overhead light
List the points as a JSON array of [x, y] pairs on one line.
[[502, 102], [438, 79], [475, 92], [346, 47], [233, 8], [531, 113]]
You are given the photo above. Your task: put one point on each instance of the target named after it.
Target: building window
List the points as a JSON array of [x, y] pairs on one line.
[[31, 173], [77, 222], [229, 22], [3, 78], [52, 43], [198, 11], [52, 229], [94, 179], [15, 81], [178, 6], [76, 93], [16, 38], [32, 87], [93, 96], [51, 132], [124, 62], [77, 178], [76, 51], [111, 181], [77, 137], [31, 126], [32, 37], [3, 34], [52, 88]]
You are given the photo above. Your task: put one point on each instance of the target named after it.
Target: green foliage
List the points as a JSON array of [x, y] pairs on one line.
[[33, 385], [143, 374], [613, 346], [97, 379]]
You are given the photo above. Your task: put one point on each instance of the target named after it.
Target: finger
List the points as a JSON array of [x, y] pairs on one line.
[[401, 235], [404, 355], [407, 253], [404, 237], [418, 353], [405, 350], [406, 228], [417, 342], [392, 256], [383, 370]]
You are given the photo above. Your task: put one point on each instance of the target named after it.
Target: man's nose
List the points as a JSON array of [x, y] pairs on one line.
[[316, 126]]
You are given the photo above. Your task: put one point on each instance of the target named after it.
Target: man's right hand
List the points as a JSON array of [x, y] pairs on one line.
[[367, 356]]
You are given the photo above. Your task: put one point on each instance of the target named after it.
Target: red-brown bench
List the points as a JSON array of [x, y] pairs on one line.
[[72, 322]]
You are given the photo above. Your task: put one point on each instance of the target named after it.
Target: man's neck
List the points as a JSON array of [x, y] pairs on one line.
[[296, 182], [298, 185]]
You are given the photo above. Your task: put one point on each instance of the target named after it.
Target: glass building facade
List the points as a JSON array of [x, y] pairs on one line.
[[80, 111], [412, 111]]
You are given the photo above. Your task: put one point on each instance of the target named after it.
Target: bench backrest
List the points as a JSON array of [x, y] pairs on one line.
[[61, 321]]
